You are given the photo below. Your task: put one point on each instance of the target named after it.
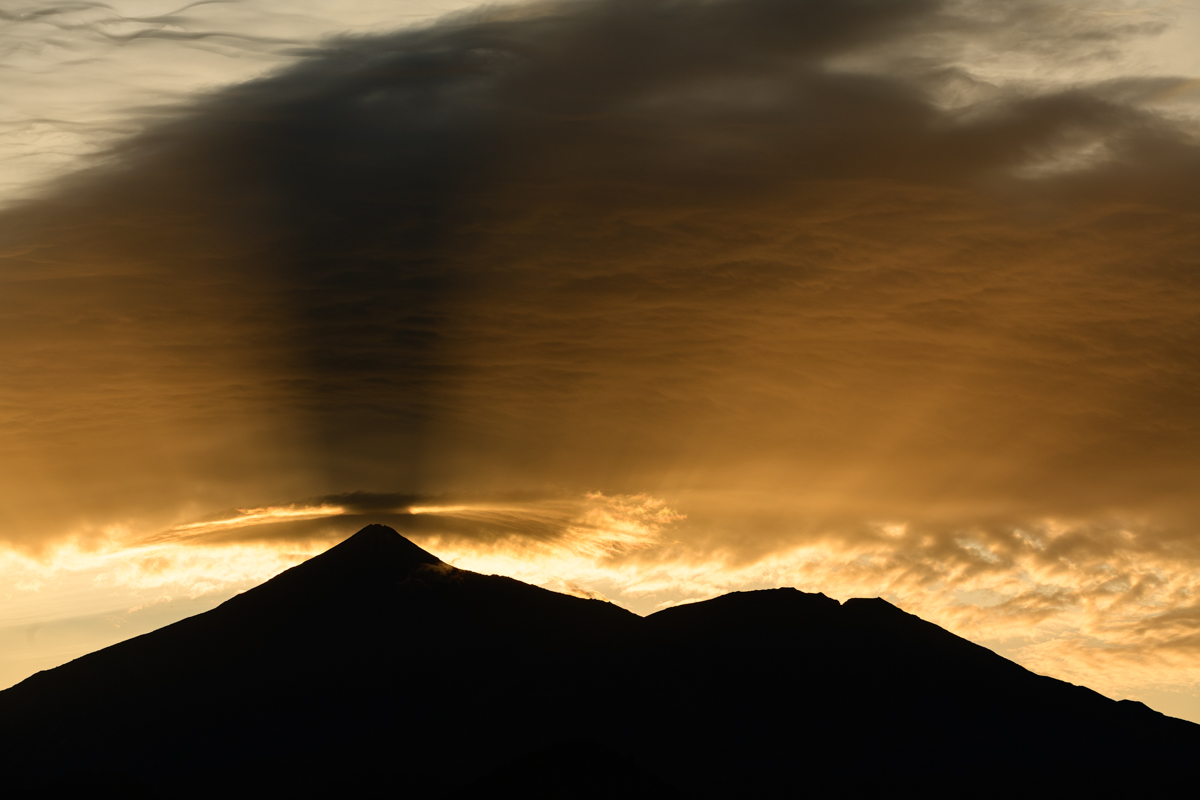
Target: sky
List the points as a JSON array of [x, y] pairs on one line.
[[647, 301]]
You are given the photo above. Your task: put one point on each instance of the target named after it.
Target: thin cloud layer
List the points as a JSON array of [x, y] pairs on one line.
[[865, 307], [74, 71]]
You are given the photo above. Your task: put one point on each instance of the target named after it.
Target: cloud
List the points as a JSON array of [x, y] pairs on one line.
[[885, 297], [76, 70]]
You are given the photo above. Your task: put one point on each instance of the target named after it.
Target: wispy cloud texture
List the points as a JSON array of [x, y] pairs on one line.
[[658, 299], [78, 75]]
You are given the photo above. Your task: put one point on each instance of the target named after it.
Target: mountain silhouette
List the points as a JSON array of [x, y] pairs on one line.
[[375, 669]]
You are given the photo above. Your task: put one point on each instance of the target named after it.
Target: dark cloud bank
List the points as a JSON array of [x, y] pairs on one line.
[[791, 262]]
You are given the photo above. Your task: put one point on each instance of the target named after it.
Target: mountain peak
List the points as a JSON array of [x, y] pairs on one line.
[[371, 559], [374, 549], [382, 540]]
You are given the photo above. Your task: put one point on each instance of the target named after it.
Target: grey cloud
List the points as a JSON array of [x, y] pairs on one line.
[[651, 246]]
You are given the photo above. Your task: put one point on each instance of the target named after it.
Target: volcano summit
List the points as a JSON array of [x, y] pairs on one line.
[[377, 669]]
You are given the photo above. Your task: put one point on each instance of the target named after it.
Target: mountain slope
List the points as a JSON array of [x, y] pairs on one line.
[[863, 698], [377, 664]]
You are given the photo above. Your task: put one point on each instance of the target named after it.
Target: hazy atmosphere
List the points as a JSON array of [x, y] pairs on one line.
[[643, 299]]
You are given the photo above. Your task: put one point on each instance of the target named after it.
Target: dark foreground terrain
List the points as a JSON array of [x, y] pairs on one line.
[[376, 670]]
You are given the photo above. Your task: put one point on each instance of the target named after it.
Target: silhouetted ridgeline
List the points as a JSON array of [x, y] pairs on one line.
[[377, 667]]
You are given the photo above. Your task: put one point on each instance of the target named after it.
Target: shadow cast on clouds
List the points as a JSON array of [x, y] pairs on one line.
[[796, 252]]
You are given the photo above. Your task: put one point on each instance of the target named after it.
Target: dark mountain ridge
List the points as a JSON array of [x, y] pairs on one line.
[[377, 665]]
